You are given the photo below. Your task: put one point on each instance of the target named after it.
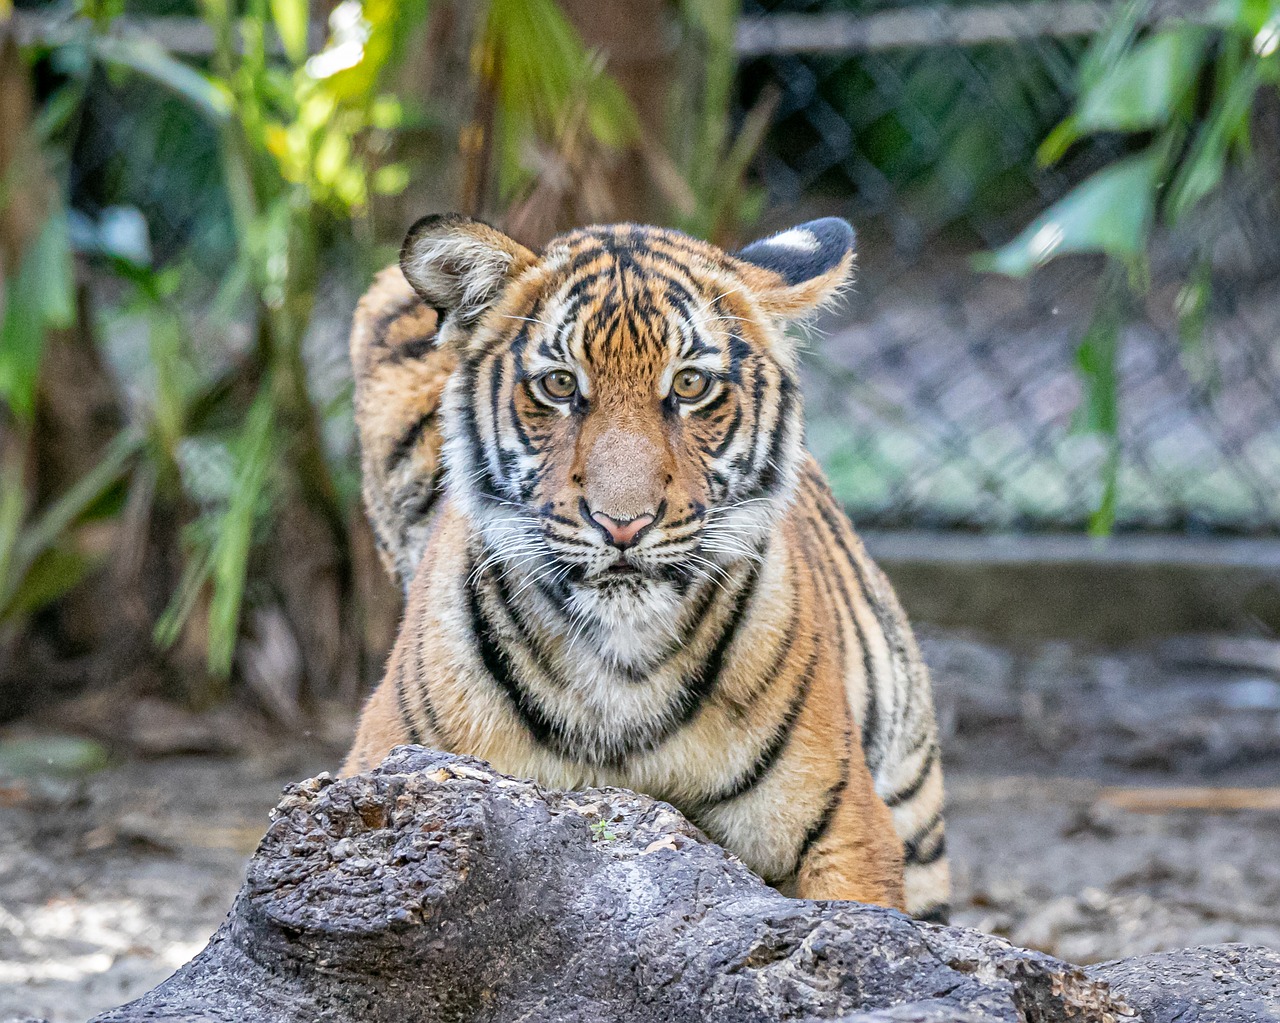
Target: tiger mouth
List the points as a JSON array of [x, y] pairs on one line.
[[621, 571]]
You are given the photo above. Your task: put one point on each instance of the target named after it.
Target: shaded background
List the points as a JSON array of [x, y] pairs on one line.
[[1051, 404]]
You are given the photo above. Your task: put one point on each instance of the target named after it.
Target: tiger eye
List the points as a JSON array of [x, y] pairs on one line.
[[690, 384], [559, 384]]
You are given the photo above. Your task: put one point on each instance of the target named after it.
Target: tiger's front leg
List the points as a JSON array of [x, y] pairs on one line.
[[854, 854]]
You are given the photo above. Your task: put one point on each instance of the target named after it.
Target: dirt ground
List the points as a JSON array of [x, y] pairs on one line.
[[1101, 804]]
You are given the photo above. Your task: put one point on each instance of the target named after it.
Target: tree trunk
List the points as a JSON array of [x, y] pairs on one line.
[[435, 889], [636, 41]]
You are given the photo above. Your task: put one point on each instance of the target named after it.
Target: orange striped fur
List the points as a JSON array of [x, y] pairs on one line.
[[630, 572]]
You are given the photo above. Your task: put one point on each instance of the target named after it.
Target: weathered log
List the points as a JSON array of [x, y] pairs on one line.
[[436, 889]]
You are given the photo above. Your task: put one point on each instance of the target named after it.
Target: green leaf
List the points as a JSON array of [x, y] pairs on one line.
[[1055, 145], [291, 18], [57, 111], [1096, 362], [13, 508], [195, 573], [21, 348], [1267, 41], [54, 270], [1099, 410], [41, 295], [145, 57], [1110, 212], [54, 572], [61, 755], [1109, 48], [46, 530], [256, 450], [20, 554], [356, 55], [1192, 307], [545, 77], [1245, 16], [391, 179], [1201, 170], [1145, 85]]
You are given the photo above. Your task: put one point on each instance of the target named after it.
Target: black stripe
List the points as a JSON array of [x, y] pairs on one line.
[[411, 351], [939, 914], [715, 404], [730, 432], [527, 639], [482, 479], [871, 711], [828, 509], [378, 329], [703, 681], [692, 620], [823, 823], [768, 757], [917, 849], [738, 352], [506, 459], [563, 520], [404, 445], [497, 663], [758, 385], [770, 474], [920, 857], [881, 614], [818, 564], [556, 592], [917, 783], [424, 693], [427, 496], [415, 735]]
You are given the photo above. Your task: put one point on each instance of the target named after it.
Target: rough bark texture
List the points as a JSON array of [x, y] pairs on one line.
[[435, 889]]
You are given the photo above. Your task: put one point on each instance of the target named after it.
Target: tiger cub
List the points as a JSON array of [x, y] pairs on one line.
[[586, 468]]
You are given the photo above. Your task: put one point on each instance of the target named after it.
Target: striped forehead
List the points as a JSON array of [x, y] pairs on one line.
[[622, 296]]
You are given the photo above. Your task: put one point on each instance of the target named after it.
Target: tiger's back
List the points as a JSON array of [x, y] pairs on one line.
[[839, 622], [400, 377]]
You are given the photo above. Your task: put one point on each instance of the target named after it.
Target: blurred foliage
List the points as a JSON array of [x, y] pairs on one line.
[[39, 561], [300, 142], [545, 85], [296, 149], [1185, 94], [59, 756], [712, 158]]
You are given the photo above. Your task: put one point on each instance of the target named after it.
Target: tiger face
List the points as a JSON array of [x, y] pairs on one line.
[[625, 418]]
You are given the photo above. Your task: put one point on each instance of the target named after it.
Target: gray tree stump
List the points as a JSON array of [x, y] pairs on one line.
[[435, 889]]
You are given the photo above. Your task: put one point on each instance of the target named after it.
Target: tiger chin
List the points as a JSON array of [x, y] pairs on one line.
[[586, 468]]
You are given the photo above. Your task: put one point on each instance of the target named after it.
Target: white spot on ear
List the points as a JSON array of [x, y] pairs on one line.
[[796, 238]]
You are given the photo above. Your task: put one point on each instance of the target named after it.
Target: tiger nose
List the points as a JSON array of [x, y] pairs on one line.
[[622, 534]]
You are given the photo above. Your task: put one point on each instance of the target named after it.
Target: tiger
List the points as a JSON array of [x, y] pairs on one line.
[[586, 468]]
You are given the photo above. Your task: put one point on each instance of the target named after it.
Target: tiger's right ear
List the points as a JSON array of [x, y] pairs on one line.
[[459, 265]]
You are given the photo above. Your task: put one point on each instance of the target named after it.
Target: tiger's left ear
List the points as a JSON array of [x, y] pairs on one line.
[[796, 271], [459, 266]]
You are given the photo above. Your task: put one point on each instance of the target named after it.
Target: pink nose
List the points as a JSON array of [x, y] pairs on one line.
[[621, 534]]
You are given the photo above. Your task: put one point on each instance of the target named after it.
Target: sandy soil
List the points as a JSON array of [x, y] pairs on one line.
[[1090, 815]]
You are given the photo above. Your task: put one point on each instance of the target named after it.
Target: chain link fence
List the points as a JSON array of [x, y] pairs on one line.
[[946, 398]]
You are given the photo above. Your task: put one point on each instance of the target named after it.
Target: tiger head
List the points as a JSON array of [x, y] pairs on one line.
[[625, 415]]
